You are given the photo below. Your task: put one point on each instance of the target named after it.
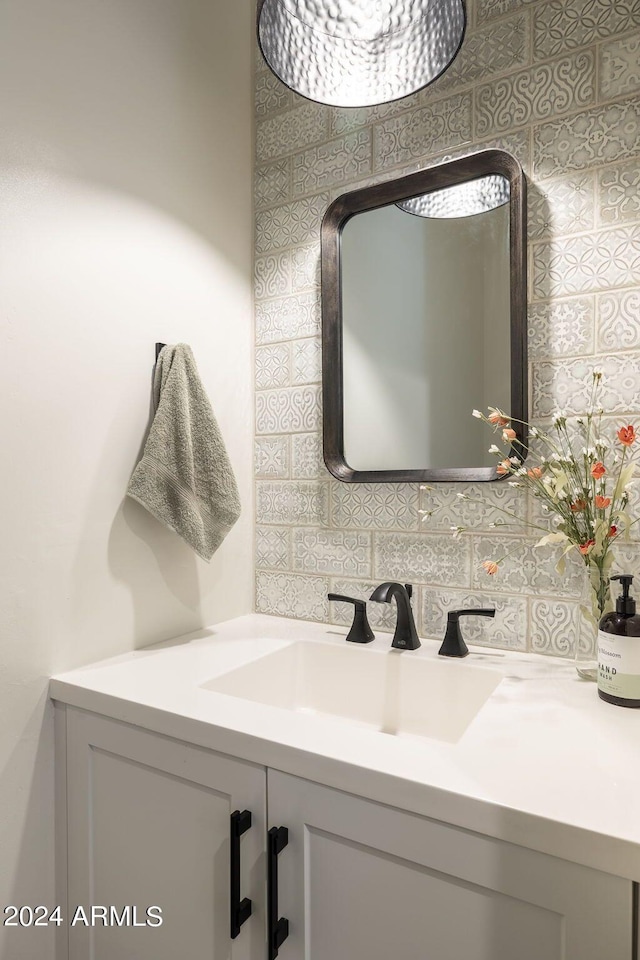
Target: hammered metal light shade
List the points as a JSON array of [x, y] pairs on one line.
[[356, 53], [461, 200]]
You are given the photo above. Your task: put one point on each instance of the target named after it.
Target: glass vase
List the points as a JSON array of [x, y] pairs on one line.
[[596, 601]]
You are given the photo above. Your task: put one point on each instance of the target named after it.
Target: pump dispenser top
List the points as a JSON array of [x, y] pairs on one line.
[[625, 605]]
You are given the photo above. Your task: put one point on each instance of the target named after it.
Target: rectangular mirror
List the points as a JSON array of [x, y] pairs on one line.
[[423, 320]]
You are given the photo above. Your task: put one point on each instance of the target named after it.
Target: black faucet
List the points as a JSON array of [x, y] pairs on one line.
[[360, 631], [453, 644], [406, 635]]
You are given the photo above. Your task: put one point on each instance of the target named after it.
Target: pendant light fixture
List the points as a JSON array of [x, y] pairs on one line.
[[357, 53], [462, 200]]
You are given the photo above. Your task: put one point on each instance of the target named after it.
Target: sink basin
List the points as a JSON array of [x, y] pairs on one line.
[[390, 691]]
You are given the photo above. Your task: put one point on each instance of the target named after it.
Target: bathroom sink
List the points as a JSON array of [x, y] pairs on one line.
[[390, 691]]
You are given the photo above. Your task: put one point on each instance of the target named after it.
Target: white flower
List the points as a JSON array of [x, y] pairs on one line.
[[514, 483], [462, 496], [514, 460], [494, 449], [456, 531], [522, 472], [477, 414]]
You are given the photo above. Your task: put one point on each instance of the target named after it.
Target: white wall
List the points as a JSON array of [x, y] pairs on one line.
[[125, 218]]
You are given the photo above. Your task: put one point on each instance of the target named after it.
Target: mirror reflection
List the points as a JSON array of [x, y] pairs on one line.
[[426, 329]]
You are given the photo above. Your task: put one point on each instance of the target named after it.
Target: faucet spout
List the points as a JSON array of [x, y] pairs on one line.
[[406, 635]]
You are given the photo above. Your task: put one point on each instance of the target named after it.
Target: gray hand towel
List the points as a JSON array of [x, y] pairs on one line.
[[185, 478]]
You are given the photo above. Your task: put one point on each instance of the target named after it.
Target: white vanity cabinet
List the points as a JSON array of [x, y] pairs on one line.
[[364, 881], [148, 824]]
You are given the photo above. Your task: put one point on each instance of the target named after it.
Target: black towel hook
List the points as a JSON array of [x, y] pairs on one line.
[[159, 347]]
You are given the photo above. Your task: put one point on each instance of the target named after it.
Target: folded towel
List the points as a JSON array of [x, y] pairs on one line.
[[185, 478]]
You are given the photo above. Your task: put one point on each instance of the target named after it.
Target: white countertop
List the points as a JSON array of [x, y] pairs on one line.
[[545, 763]]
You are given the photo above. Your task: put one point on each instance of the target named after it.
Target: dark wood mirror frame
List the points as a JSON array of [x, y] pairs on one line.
[[370, 198]]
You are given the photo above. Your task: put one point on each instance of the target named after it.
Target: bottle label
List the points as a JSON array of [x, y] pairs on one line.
[[619, 665]]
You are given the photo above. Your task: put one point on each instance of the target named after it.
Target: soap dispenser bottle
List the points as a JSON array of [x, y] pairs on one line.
[[619, 650]]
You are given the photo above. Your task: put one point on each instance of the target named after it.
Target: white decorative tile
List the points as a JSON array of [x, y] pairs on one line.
[[305, 267], [297, 316], [566, 387], [555, 625], [561, 206], [272, 366], [272, 183], [545, 90], [307, 462], [619, 320], [307, 361], [288, 132], [286, 595], [381, 616], [488, 503], [422, 558], [524, 568], [272, 276], [619, 193], [596, 136], [583, 176], [343, 552], [620, 67], [561, 25], [596, 261], [508, 629], [288, 410], [391, 506], [292, 502], [273, 548], [271, 457], [271, 95], [486, 53], [290, 224], [335, 163], [490, 9], [561, 328], [421, 132], [626, 559], [516, 143], [346, 120]]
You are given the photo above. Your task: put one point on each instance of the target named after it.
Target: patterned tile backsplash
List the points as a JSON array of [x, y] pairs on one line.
[[557, 83]]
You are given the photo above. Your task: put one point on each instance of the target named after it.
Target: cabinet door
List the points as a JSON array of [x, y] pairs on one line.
[[361, 880], [149, 825]]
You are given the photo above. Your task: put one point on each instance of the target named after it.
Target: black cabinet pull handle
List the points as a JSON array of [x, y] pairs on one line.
[[278, 838], [240, 909]]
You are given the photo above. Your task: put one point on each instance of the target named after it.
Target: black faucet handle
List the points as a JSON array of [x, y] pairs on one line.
[[472, 612], [360, 631], [409, 588], [453, 644]]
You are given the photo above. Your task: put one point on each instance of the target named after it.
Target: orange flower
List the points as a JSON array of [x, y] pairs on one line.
[[535, 473], [603, 502], [598, 470], [490, 566], [612, 531], [585, 547], [626, 435], [498, 419], [508, 435], [578, 505], [503, 467]]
